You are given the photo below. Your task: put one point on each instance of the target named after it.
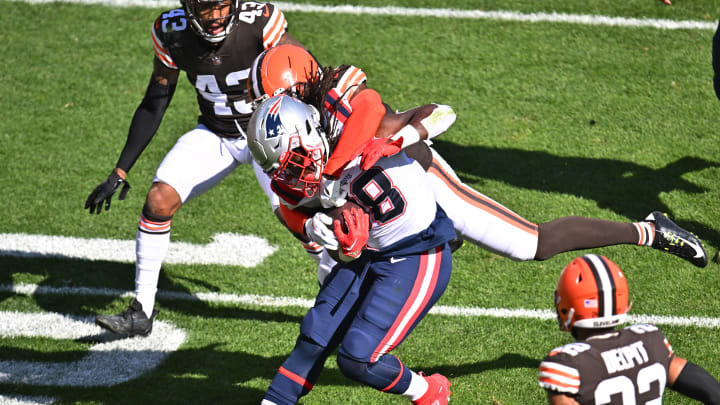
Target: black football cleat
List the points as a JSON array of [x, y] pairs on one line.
[[131, 322], [456, 244], [671, 238]]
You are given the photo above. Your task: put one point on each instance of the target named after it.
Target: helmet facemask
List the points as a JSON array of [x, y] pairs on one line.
[[302, 165], [286, 139], [212, 19]]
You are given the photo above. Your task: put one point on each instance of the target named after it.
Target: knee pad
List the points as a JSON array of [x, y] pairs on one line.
[[352, 368]]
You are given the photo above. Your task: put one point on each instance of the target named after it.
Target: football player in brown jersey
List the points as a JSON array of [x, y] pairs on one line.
[[357, 121], [606, 365], [214, 42]]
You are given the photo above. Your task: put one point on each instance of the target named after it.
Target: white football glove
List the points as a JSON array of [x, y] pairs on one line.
[[332, 193], [319, 229]]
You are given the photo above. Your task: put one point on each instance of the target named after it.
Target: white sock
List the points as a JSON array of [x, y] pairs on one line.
[[646, 233], [266, 402], [150, 250], [418, 387]]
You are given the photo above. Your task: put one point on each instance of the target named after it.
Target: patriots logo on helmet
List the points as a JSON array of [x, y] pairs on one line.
[[273, 124]]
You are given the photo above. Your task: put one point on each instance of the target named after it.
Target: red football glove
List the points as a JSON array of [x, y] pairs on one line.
[[377, 148], [355, 239]]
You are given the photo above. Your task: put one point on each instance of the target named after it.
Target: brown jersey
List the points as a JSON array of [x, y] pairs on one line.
[[219, 73], [627, 366]]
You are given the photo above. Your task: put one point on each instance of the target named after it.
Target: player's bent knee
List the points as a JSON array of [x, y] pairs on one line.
[[162, 200], [351, 368]]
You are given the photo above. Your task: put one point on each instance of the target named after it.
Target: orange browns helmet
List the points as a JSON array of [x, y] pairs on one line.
[[592, 293], [283, 68]]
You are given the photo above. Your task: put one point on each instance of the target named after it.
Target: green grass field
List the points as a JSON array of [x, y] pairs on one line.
[[525, 95]]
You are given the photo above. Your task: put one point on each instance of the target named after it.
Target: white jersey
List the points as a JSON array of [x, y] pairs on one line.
[[396, 194]]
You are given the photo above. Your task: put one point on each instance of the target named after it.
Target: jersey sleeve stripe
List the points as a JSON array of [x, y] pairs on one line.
[[560, 369], [550, 384], [352, 77], [670, 349], [274, 29], [559, 375], [161, 52]]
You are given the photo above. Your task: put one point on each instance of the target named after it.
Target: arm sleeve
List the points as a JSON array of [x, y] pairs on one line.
[[361, 126], [698, 384], [145, 122], [294, 219]]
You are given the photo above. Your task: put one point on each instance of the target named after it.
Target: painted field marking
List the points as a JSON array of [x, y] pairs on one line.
[[225, 249], [272, 301], [110, 361], [499, 15]]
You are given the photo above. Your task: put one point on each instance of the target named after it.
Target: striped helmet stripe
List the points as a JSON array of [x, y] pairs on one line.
[[605, 285], [256, 76]]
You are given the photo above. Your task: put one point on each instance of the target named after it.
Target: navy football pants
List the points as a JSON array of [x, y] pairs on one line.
[[368, 307]]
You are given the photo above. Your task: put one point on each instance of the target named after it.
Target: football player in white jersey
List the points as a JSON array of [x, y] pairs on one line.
[[214, 42], [606, 365], [395, 258]]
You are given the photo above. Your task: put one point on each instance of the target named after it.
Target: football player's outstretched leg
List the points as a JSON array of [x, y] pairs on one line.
[[489, 224], [591, 301]]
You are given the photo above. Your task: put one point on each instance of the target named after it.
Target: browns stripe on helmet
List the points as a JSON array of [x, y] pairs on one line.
[[282, 69], [592, 293]]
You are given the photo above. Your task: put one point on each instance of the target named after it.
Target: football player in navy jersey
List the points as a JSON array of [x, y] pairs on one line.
[[394, 258], [214, 42], [607, 365]]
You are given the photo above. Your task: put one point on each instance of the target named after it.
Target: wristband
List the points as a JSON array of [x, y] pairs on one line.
[[439, 120], [409, 136]]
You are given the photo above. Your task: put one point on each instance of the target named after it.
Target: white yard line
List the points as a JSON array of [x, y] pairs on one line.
[[225, 249], [272, 301], [499, 15]]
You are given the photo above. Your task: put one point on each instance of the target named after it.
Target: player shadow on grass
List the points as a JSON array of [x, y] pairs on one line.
[[506, 361], [98, 281], [204, 375], [627, 188]]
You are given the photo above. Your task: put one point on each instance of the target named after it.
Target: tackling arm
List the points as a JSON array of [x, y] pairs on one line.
[[419, 123]]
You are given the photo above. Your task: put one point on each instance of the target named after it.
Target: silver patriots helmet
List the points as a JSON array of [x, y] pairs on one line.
[[286, 139]]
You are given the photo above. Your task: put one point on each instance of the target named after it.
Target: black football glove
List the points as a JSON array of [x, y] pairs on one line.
[[105, 191]]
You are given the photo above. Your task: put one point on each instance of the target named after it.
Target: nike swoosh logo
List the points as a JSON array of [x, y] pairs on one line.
[[398, 260], [266, 13], [698, 249]]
